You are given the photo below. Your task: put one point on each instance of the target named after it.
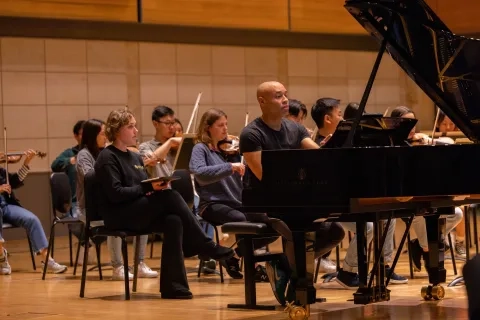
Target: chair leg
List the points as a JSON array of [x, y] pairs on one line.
[[70, 247], [50, 249], [99, 264], [452, 253], [125, 268], [217, 237], [151, 246], [84, 266], [76, 257], [317, 269], [136, 261], [337, 251], [32, 254]]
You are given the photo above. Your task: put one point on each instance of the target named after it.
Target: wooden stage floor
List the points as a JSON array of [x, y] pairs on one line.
[[23, 295]]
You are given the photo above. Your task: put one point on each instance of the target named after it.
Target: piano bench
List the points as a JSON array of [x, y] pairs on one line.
[[248, 232]]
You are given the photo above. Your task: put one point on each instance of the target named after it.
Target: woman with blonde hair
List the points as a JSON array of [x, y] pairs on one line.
[[127, 203]]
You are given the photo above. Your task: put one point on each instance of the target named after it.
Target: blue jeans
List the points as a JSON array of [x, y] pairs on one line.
[[21, 217], [114, 245]]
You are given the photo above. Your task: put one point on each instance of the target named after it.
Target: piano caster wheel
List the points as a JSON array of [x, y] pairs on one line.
[[433, 292], [297, 312], [438, 292], [426, 293]]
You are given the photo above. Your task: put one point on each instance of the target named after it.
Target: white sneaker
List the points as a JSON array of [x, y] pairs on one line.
[[5, 268], [92, 257], [327, 266], [145, 272], [119, 274], [54, 267]]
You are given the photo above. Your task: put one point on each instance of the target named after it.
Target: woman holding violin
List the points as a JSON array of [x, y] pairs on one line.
[[218, 171], [12, 212]]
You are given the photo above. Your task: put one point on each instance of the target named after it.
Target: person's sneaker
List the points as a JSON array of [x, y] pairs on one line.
[[327, 265], [54, 267], [118, 274], [460, 250], [233, 267], [278, 278], [395, 278], [144, 271], [348, 280], [416, 254], [5, 268], [216, 252], [261, 274]]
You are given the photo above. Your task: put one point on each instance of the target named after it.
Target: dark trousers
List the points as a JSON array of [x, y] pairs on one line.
[[327, 236], [219, 214], [166, 212]]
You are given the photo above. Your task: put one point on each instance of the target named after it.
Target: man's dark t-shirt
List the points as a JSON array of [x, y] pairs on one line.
[[258, 136]]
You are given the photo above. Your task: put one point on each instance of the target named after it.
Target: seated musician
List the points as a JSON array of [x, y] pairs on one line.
[[93, 141], [446, 125], [11, 212], [218, 181], [125, 203], [326, 114], [297, 112], [351, 110], [65, 162], [271, 131], [159, 153], [419, 245]]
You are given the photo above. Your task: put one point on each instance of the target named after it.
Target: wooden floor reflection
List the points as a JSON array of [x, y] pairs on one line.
[[23, 295]]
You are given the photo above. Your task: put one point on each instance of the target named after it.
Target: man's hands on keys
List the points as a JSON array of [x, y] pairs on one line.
[[238, 167]]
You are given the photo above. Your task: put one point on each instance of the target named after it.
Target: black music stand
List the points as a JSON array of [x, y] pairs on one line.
[[184, 152], [373, 130]]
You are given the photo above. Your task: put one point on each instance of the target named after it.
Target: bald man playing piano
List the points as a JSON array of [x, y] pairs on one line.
[[272, 131]]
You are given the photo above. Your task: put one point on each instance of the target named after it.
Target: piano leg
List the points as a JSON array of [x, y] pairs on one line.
[[435, 258], [305, 293], [368, 293]]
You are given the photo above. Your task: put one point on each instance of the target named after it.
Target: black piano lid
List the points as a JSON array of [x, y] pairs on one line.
[[426, 49]]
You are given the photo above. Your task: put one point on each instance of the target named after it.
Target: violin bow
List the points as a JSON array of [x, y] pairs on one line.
[[5, 150], [194, 112]]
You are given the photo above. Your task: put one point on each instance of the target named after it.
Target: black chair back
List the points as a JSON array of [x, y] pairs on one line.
[[61, 193], [90, 189], [184, 186]]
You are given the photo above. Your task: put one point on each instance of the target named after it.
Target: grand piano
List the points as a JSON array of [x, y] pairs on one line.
[[368, 176]]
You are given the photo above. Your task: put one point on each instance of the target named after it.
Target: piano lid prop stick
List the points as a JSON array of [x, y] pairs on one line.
[[194, 112]]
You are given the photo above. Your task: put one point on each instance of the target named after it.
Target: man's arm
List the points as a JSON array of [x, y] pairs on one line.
[[254, 162], [308, 143], [62, 161], [251, 149]]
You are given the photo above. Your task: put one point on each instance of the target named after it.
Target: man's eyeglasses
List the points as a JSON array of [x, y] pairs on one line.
[[167, 123]]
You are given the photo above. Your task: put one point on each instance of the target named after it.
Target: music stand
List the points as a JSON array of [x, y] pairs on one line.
[[373, 130], [184, 152]]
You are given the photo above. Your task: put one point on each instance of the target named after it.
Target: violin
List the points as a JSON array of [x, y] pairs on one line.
[[15, 157], [230, 145]]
